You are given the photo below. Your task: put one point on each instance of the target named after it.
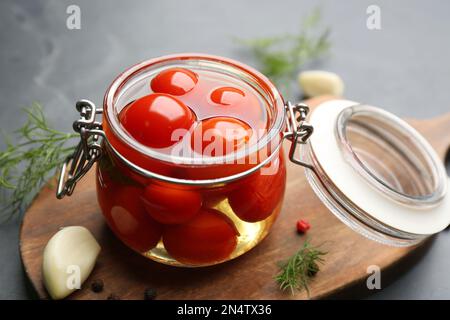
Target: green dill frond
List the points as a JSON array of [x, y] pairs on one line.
[[296, 272], [281, 57], [26, 165]]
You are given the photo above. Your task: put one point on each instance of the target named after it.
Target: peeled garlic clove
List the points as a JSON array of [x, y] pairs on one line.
[[315, 83], [69, 258]]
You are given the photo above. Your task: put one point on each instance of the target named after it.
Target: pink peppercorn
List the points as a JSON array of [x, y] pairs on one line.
[[303, 226]]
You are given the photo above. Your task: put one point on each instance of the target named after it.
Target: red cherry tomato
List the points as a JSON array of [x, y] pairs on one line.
[[227, 96], [153, 119], [129, 220], [211, 197], [219, 136], [260, 194], [134, 156], [208, 238], [126, 175], [175, 81], [103, 171], [238, 103], [171, 206]]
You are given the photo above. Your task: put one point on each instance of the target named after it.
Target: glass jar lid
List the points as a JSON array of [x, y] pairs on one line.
[[376, 173]]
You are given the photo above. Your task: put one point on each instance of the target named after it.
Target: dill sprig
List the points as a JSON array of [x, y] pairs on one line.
[[26, 165], [296, 272], [280, 57]]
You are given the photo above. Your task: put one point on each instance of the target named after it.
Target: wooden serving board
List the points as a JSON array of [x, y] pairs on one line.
[[127, 274]]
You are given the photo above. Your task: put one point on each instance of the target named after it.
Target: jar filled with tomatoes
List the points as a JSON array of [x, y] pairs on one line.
[[192, 170]]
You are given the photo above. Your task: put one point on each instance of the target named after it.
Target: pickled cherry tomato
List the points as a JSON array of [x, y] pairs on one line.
[[153, 119], [219, 136], [227, 96], [168, 205], [259, 194], [131, 177], [175, 81], [130, 221], [208, 238]]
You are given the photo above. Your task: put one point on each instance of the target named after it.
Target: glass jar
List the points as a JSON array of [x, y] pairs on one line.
[[186, 210]]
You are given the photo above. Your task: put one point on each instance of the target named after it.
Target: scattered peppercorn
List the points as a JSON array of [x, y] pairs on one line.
[[303, 226], [113, 296], [97, 286], [150, 294]]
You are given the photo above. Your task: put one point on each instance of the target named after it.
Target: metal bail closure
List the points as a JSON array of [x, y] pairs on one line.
[[87, 152], [298, 130]]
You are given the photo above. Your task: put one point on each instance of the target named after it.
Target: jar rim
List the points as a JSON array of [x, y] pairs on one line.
[[400, 127], [276, 126]]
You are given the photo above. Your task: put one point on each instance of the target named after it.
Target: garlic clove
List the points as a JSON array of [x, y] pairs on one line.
[[69, 258], [315, 83]]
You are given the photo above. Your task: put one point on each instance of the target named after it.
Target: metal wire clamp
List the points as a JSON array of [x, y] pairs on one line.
[[298, 130], [87, 152]]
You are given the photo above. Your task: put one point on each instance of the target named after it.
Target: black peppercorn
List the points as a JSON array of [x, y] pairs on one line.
[[150, 294], [113, 296], [97, 286]]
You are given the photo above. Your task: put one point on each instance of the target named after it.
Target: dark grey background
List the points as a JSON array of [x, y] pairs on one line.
[[404, 68]]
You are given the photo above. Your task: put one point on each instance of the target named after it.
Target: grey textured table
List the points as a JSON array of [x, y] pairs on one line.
[[404, 67]]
